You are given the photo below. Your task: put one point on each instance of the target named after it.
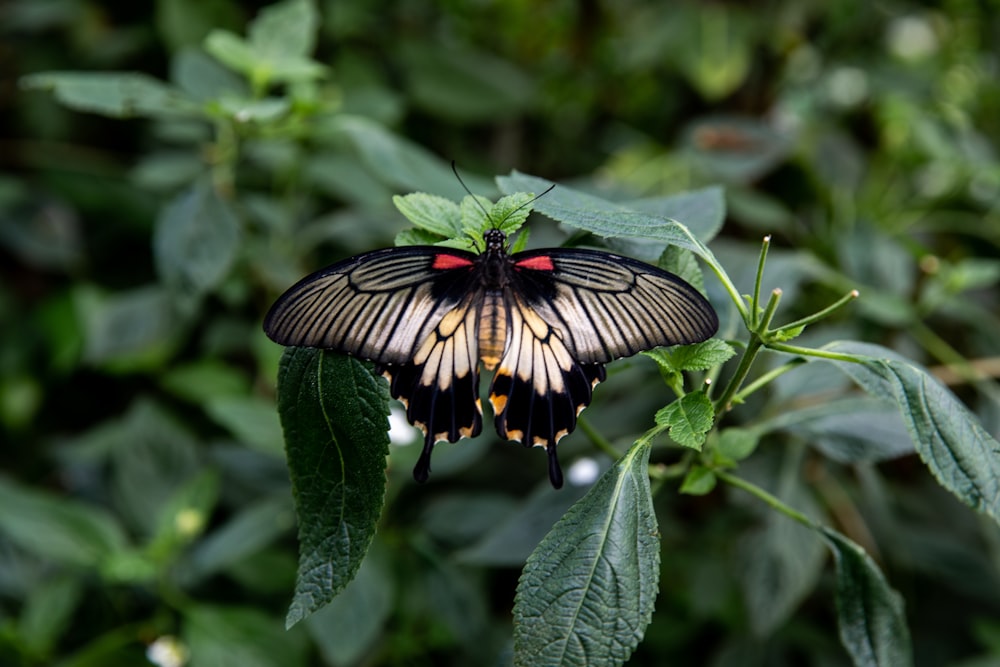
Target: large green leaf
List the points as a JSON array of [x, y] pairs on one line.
[[781, 560], [869, 613], [702, 211], [586, 594], [608, 219], [195, 241], [349, 626], [394, 160], [58, 529], [117, 94], [600, 216], [335, 418], [947, 436], [285, 30], [219, 636]]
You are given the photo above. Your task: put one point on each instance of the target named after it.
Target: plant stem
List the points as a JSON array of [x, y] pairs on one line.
[[773, 501], [597, 439], [755, 299], [766, 378], [746, 361], [812, 352], [850, 296]]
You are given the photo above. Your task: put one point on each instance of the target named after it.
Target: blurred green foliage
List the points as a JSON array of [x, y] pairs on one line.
[[144, 502]]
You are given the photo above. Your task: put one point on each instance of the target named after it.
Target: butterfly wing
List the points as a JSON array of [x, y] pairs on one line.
[[606, 306], [569, 312], [414, 312]]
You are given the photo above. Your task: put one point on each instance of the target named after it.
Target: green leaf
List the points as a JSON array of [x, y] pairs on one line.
[[689, 418], [869, 613], [285, 30], [702, 211], [250, 419], [128, 330], [851, 430], [120, 95], [431, 213], [201, 380], [736, 444], [230, 636], [605, 218], [276, 51], [251, 110], [47, 613], [203, 77], [231, 50], [781, 559], [467, 85], [185, 516], [792, 333], [699, 481], [354, 621], [947, 436], [715, 49], [682, 263], [254, 527], [697, 357], [152, 454], [476, 214], [395, 160], [335, 417], [586, 594], [512, 540], [195, 242], [417, 237], [510, 212], [58, 529]]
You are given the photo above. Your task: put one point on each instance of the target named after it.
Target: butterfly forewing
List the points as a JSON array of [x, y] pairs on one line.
[[380, 305], [606, 306]]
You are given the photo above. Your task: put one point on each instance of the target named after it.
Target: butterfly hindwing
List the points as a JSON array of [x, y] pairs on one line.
[[440, 387], [569, 312], [539, 387]]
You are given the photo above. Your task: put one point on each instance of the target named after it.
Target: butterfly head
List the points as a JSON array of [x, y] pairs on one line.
[[495, 241]]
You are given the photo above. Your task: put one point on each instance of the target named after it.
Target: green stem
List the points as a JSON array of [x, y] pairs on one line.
[[597, 439], [766, 378], [769, 311], [755, 299], [746, 361], [811, 352], [773, 501], [815, 317]]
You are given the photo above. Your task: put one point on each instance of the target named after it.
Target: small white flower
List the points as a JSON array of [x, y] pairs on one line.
[[911, 38], [167, 651], [583, 471]]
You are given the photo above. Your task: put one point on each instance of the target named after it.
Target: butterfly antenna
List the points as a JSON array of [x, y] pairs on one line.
[[529, 202], [466, 188]]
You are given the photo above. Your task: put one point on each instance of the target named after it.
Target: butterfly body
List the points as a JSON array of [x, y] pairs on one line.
[[544, 321]]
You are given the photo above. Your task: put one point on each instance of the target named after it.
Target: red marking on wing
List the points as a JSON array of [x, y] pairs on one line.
[[445, 262], [539, 263]]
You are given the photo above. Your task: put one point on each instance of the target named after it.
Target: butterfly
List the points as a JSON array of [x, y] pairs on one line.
[[544, 321]]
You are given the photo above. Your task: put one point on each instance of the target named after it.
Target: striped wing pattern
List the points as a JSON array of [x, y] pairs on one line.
[[569, 312], [606, 306], [416, 322], [548, 320], [539, 387], [379, 305]]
